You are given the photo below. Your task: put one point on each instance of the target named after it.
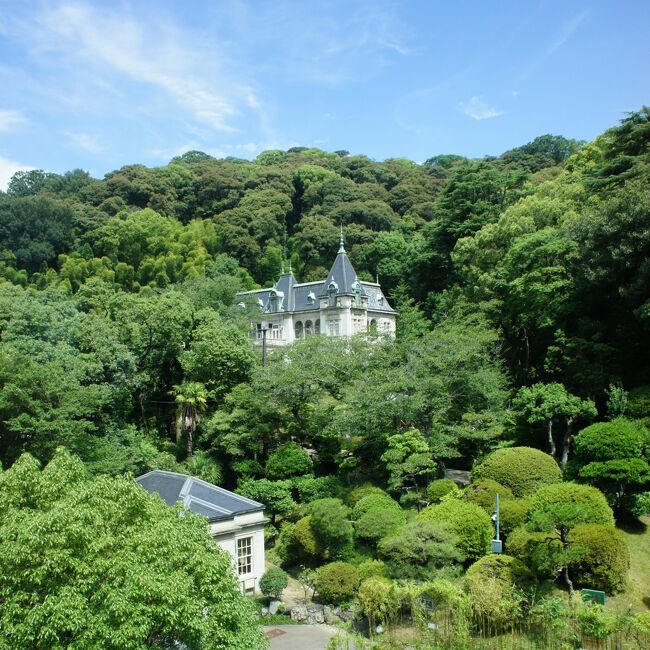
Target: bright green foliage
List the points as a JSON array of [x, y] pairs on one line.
[[378, 523], [512, 514], [329, 520], [493, 603], [483, 493], [191, 399], [469, 522], [505, 569], [287, 461], [275, 495], [358, 493], [522, 469], [370, 569], [614, 456], [274, 582], [418, 547], [378, 600], [408, 460], [101, 563], [524, 544], [373, 502], [439, 488], [337, 582], [604, 560], [305, 539]]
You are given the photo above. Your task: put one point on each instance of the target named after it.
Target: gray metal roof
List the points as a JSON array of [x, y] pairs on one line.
[[196, 495]]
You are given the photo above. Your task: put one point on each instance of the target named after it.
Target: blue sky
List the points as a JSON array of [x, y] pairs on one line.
[[97, 85]]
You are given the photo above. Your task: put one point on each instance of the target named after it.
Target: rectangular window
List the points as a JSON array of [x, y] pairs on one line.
[[244, 555], [334, 328]]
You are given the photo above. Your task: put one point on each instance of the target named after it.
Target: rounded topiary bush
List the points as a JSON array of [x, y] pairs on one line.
[[304, 538], [522, 469], [287, 461], [356, 494], [374, 502], [604, 559], [469, 522], [379, 522], [337, 582], [483, 492], [524, 544], [506, 569], [512, 514], [370, 569], [588, 504], [440, 488], [274, 582]]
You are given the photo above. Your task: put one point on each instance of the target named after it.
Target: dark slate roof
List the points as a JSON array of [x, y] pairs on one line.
[[376, 298], [200, 497], [342, 272]]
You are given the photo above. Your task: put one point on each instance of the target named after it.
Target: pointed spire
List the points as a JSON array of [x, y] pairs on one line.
[[341, 243]]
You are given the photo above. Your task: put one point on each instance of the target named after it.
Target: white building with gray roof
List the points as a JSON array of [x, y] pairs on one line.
[[235, 522], [340, 305]]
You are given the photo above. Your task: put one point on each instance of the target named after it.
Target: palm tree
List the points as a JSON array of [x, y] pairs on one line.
[[191, 398]]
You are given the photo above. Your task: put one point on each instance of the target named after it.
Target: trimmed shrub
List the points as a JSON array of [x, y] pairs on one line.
[[484, 493], [522, 469], [418, 547], [287, 547], [504, 568], [470, 523], [374, 502], [493, 604], [378, 523], [310, 488], [305, 539], [522, 544], [378, 600], [370, 569], [356, 494], [337, 582], [287, 461], [604, 560], [274, 582], [439, 488], [512, 514], [331, 526], [572, 503]]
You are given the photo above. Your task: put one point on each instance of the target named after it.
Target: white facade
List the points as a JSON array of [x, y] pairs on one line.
[[243, 538], [341, 305]]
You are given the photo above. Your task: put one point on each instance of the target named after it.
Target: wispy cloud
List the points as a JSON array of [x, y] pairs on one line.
[[8, 168], [478, 109], [566, 31], [85, 142], [11, 120]]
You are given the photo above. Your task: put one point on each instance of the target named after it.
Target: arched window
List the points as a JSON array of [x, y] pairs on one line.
[[298, 329], [317, 327], [309, 328], [372, 327]]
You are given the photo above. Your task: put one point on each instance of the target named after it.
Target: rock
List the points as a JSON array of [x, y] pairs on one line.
[[331, 617], [274, 606], [265, 611], [345, 615], [299, 614], [317, 616]]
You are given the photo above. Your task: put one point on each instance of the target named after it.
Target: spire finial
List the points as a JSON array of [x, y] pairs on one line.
[[341, 243]]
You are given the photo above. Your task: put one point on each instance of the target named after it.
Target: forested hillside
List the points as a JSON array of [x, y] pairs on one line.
[[522, 282]]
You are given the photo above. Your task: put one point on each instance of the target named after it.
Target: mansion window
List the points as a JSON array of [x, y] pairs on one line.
[[244, 555], [334, 327], [299, 330], [357, 325]]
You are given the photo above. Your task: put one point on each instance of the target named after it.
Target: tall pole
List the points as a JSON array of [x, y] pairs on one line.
[[497, 514], [264, 329]]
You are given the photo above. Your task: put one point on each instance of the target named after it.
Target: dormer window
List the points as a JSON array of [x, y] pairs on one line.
[[311, 298], [276, 298], [380, 300], [260, 304], [332, 287], [356, 288]]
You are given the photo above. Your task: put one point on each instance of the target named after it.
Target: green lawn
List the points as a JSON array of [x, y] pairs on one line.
[[637, 595]]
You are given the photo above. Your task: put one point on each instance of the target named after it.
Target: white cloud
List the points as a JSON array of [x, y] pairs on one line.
[[86, 142], [478, 109], [566, 31], [10, 120], [8, 168]]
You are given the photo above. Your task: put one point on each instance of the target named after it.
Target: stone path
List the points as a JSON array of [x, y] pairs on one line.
[[299, 637]]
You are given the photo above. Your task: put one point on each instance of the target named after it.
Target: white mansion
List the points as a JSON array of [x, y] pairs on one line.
[[341, 305]]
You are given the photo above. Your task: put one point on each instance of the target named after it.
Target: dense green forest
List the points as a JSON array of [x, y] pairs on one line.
[[522, 284]]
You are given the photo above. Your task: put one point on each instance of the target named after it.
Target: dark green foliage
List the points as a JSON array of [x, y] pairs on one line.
[[521, 469], [503, 568], [329, 520], [378, 522], [337, 582], [310, 488], [603, 559], [274, 582], [439, 488], [287, 461], [418, 547], [275, 495], [524, 544], [305, 539], [469, 522]]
